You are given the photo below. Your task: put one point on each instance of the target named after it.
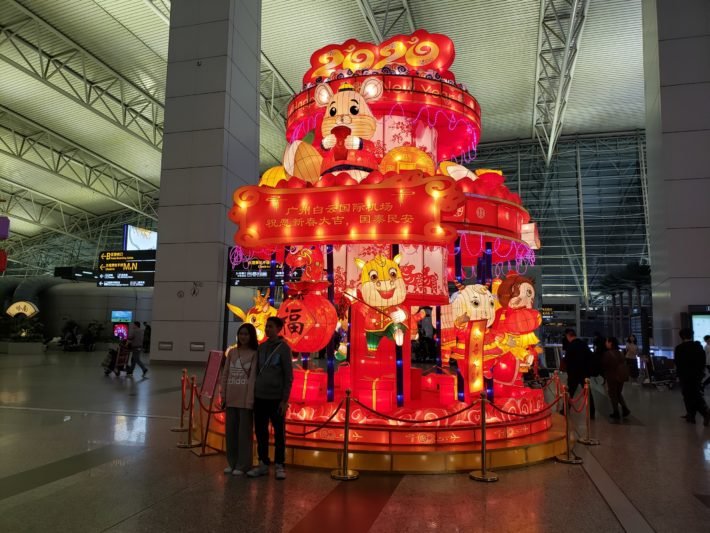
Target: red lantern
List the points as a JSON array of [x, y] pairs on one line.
[[309, 321], [520, 321]]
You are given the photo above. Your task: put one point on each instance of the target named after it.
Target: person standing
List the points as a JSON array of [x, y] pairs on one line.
[[632, 352], [706, 338], [271, 391], [616, 372], [578, 360], [238, 379], [146, 337], [135, 342], [689, 363]]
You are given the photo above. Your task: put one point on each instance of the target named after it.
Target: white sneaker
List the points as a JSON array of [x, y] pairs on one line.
[[259, 470], [280, 472], [237, 472], [228, 470]]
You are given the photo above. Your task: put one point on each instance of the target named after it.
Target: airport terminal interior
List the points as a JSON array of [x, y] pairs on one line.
[[356, 265]]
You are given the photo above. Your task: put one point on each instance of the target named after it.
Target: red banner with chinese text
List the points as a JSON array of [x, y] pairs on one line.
[[406, 208]]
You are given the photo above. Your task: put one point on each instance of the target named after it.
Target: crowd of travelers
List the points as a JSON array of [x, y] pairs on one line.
[[606, 359]]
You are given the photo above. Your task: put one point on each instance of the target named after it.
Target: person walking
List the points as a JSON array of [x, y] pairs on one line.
[[238, 380], [616, 372], [578, 362], [271, 391], [706, 338], [146, 337], [135, 342], [689, 363]]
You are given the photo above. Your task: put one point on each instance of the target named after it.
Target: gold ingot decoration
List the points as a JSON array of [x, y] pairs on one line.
[[272, 176], [405, 158]]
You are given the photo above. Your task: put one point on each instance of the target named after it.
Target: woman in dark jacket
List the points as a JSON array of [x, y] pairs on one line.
[[616, 372]]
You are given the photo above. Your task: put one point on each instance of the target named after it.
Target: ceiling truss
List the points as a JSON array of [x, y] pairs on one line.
[[23, 44], [386, 18], [48, 151], [38, 255], [561, 25], [41, 210]]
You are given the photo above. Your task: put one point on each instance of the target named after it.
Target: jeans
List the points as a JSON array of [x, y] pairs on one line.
[[266, 411], [136, 360]]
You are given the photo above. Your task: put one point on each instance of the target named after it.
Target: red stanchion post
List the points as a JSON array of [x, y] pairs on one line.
[[483, 474], [344, 473], [569, 457], [183, 391], [587, 440], [189, 441]]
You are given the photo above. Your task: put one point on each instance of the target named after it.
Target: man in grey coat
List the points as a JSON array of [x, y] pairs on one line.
[[271, 391]]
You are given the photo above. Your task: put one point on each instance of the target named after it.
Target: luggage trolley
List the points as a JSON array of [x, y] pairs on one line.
[[117, 360], [662, 372]]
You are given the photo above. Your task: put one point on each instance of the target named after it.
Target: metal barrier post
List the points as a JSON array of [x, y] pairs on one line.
[[189, 441], [569, 457], [588, 440], [483, 474], [344, 473], [183, 387]]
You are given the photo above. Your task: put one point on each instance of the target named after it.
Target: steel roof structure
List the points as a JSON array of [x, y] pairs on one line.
[[82, 87]]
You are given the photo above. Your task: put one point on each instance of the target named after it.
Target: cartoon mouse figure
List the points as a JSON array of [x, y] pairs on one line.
[[348, 126]]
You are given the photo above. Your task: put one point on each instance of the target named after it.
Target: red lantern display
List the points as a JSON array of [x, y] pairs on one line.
[[309, 321]]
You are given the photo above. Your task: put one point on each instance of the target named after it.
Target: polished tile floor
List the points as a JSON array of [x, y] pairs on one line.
[[81, 452]]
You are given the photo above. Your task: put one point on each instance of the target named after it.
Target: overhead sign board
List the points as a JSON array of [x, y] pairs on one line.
[[254, 273], [126, 268]]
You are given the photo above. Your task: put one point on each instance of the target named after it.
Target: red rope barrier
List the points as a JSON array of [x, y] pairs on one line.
[[330, 418], [414, 422], [527, 415]]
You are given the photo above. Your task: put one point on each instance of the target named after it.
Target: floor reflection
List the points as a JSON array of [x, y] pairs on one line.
[[130, 429]]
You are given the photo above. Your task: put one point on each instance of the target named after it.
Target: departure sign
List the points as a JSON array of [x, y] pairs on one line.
[[126, 268]]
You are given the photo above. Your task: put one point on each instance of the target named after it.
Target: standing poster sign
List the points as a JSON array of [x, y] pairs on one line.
[[206, 394]]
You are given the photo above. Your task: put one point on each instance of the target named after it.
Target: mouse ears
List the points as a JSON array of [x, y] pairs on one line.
[[371, 89], [323, 94]]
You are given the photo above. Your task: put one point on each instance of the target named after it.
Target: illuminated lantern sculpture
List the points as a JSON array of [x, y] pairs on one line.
[[468, 303], [514, 329], [257, 315], [309, 318], [347, 125], [383, 289]]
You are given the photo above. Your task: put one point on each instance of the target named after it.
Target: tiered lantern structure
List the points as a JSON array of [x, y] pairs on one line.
[[375, 215]]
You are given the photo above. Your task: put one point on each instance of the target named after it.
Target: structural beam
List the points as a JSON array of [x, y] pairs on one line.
[[30, 45], [41, 253], [561, 25], [32, 207], [29, 142], [387, 18]]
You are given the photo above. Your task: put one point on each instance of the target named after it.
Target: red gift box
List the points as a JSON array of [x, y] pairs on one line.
[[342, 377], [415, 386], [309, 385], [446, 384], [377, 393]]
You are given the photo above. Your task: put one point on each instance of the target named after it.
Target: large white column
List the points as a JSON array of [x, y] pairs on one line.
[[211, 147], [677, 72]]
